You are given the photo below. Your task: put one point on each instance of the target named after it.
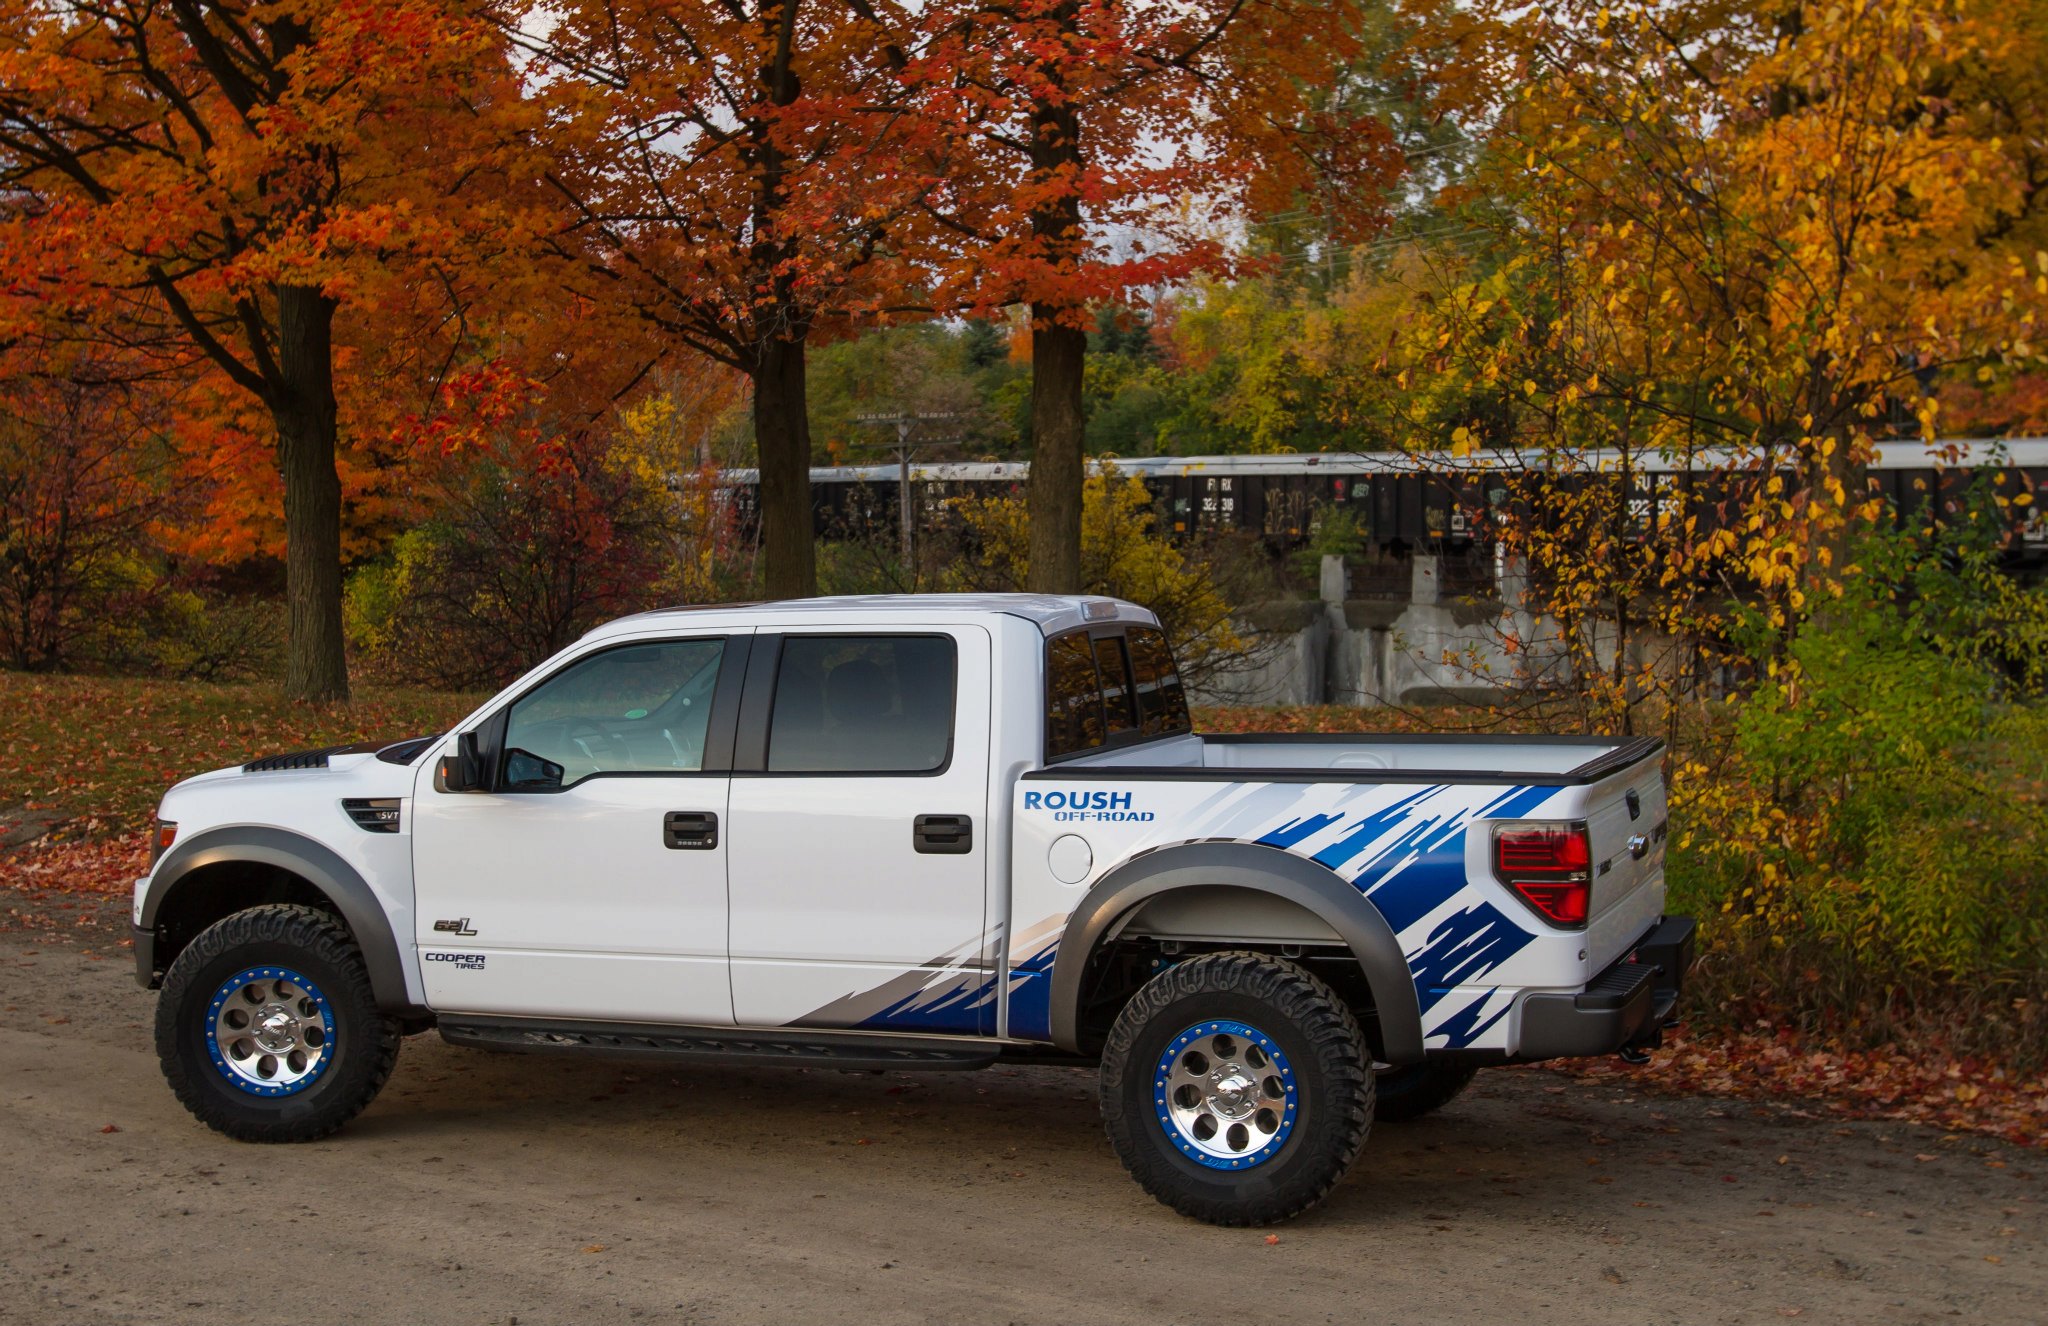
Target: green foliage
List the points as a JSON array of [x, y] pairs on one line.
[[1335, 533], [1867, 840]]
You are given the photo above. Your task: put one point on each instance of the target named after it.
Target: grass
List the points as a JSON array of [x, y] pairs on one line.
[[99, 751]]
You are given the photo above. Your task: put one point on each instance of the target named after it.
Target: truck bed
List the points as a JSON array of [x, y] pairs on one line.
[[1408, 820], [1379, 757]]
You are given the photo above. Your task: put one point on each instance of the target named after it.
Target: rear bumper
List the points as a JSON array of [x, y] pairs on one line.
[[1624, 1007]]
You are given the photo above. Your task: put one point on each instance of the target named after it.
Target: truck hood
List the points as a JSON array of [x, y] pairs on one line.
[[366, 769]]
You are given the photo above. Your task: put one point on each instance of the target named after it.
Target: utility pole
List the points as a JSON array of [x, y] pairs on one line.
[[907, 426]]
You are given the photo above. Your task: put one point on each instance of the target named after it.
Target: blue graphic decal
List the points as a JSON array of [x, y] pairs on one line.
[[1031, 995], [1464, 946], [965, 1004], [1516, 803], [1292, 832], [1421, 871], [1463, 1027], [1371, 828]]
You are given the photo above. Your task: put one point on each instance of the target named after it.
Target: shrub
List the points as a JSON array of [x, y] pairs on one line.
[[1866, 837], [531, 544]]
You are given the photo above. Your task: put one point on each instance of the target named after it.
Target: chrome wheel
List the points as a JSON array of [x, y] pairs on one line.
[[270, 1031], [1225, 1095]]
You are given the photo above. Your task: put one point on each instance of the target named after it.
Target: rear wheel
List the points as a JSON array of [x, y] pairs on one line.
[[1419, 1089], [267, 1028], [1236, 1089]]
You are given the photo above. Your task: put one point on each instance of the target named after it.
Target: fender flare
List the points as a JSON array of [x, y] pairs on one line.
[[313, 862], [1310, 886]]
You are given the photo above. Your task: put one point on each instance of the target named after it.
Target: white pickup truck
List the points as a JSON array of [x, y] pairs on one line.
[[918, 832]]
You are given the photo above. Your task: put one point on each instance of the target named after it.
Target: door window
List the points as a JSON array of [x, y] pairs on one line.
[[863, 704], [638, 709]]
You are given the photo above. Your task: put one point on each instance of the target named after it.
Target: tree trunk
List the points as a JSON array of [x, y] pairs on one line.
[[1058, 348], [782, 439], [1053, 500], [316, 667]]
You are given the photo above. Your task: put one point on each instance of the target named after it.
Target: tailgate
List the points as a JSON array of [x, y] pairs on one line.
[[1627, 825]]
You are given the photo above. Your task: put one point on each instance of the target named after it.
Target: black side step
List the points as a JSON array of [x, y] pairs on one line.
[[796, 1049]]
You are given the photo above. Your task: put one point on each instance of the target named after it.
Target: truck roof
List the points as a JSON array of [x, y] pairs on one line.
[[1051, 613]]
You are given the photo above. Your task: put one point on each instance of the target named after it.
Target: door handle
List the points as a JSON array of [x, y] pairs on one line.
[[689, 830], [943, 835]]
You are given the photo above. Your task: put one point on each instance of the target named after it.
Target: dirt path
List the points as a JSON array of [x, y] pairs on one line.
[[486, 1189]]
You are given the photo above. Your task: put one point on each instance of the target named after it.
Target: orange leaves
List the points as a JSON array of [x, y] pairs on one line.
[[1077, 120], [1925, 1084]]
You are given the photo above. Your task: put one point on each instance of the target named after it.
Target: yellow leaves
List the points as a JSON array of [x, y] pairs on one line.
[[1463, 443]]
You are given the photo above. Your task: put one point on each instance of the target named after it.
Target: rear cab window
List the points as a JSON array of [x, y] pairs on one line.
[[1110, 686]]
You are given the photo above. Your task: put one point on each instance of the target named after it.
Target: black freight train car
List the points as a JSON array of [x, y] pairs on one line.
[[1400, 502]]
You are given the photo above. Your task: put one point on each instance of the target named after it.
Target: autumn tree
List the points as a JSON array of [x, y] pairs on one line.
[[1749, 239], [232, 182], [1113, 146], [740, 174], [85, 471]]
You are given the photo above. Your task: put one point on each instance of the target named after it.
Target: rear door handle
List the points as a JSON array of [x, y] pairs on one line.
[[943, 835], [689, 830]]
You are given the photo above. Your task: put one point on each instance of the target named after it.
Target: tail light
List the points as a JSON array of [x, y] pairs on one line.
[[1550, 866]]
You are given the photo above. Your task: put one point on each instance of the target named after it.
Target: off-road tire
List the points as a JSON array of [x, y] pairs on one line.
[[1331, 1072], [1419, 1089], [364, 1046]]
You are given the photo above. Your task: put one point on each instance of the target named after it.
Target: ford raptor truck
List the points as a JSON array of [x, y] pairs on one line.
[[919, 832]]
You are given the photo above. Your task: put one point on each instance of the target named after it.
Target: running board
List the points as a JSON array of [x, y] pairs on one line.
[[795, 1049]]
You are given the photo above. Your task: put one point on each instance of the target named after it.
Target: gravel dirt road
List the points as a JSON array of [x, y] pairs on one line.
[[488, 1189]]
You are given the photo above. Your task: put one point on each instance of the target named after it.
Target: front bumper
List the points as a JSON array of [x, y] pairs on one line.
[[146, 974], [1625, 1007]]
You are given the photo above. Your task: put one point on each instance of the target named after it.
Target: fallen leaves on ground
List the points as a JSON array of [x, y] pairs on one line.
[[1890, 1082], [56, 874], [102, 750]]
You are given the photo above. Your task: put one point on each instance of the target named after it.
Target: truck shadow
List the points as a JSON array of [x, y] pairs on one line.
[[1517, 1144]]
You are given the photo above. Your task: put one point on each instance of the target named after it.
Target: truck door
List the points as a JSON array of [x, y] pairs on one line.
[[588, 879], [858, 844]]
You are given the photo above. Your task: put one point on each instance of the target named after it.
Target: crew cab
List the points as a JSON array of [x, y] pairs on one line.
[[919, 832]]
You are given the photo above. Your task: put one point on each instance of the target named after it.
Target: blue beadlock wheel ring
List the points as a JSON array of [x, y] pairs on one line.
[[269, 1031], [1225, 1095]]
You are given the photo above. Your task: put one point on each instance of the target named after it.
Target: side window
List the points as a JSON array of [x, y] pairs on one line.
[[1119, 714], [863, 704], [1162, 703], [635, 709], [1110, 687], [1073, 698]]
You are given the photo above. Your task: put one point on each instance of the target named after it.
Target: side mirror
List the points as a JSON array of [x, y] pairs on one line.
[[464, 770]]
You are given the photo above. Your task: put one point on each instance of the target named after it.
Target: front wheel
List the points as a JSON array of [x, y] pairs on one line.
[[267, 1028], [1237, 1088]]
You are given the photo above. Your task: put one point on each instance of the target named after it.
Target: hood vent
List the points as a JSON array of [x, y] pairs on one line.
[[376, 814], [304, 759]]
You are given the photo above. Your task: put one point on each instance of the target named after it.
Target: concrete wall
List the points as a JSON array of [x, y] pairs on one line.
[[1425, 649]]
